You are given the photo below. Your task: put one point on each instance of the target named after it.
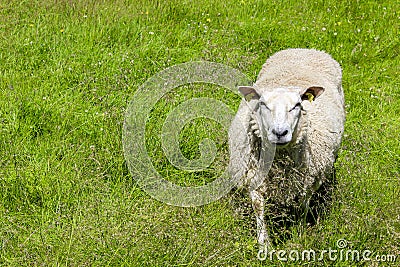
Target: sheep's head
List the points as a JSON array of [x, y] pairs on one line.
[[278, 111]]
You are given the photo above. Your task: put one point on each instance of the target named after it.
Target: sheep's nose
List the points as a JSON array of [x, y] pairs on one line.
[[279, 133]]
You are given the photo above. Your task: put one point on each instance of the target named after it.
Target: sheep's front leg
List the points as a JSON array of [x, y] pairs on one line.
[[258, 206]]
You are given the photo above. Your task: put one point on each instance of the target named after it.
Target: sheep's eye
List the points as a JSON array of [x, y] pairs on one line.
[[262, 104], [297, 106]]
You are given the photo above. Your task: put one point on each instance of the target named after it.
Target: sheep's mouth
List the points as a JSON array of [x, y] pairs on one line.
[[281, 144]]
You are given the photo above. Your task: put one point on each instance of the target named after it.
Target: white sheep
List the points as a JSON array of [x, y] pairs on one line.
[[297, 105]]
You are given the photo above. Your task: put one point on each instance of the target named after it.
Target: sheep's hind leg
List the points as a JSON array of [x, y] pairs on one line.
[[305, 205], [304, 209], [258, 206]]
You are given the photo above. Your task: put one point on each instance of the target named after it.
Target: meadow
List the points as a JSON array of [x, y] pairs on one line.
[[68, 70]]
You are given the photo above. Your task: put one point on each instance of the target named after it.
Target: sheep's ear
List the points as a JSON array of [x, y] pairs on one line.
[[312, 93], [249, 92]]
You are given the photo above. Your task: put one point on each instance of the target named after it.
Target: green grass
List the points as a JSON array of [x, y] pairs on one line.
[[67, 72]]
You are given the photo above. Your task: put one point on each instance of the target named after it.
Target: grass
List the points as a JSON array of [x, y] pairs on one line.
[[67, 72]]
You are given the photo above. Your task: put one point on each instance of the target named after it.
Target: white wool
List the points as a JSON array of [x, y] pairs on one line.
[[299, 169]]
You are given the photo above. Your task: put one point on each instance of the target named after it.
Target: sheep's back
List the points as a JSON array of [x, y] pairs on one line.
[[294, 67]]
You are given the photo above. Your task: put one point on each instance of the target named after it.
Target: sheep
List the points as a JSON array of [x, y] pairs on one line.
[[296, 106]]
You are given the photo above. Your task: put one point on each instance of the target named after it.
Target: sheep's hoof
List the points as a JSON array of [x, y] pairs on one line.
[[263, 252], [264, 244]]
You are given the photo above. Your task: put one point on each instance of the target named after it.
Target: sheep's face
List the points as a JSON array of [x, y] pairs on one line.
[[279, 110], [278, 113]]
